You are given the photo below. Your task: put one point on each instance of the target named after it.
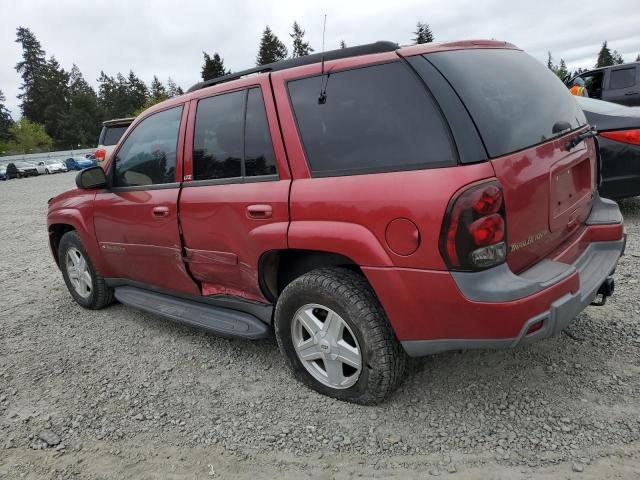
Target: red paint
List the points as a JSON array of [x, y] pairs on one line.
[[208, 239]]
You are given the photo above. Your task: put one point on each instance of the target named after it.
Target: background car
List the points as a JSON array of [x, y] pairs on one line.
[[619, 141], [21, 170], [3, 172], [112, 131], [51, 166], [617, 83], [79, 163]]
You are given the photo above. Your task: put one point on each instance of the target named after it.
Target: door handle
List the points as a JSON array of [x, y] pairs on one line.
[[160, 212], [631, 93], [259, 211]]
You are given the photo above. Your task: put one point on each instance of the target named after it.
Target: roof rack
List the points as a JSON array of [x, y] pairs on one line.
[[377, 47]]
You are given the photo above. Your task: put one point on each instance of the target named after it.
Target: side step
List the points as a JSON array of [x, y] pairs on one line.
[[223, 321]]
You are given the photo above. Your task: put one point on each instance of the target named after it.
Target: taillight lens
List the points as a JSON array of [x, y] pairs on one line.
[[100, 154], [474, 230], [624, 136]]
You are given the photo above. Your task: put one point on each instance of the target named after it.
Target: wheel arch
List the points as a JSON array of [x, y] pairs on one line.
[[56, 232]]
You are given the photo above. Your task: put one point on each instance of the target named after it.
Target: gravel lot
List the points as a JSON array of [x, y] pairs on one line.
[[123, 394]]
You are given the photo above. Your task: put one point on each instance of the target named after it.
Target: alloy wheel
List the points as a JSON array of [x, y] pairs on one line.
[[78, 272]]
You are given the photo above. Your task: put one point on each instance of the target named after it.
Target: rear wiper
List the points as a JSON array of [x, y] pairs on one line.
[[592, 132]]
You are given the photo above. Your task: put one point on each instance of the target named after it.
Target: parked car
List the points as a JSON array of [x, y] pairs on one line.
[[45, 167], [416, 200], [3, 172], [21, 170], [78, 163], [617, 83], [112, 131], [619, 143]]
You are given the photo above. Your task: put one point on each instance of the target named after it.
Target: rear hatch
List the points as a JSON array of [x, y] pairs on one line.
[[525, 116]]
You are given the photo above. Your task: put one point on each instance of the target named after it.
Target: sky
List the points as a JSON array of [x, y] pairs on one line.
[[167, 38]]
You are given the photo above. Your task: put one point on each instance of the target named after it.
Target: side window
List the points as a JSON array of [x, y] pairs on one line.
[[593, 83], [217, 140], [259, 157], [148, 155], [375, 119], [622, 78], [219, 149]]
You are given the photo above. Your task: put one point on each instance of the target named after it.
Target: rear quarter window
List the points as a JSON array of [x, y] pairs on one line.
[[622, 78], [515, 101], [375, 119], [112, 135]]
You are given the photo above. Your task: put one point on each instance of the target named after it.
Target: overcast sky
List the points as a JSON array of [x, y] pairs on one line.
[[167, 38]]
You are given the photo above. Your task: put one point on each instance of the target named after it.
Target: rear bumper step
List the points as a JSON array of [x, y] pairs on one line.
[[219, 320]]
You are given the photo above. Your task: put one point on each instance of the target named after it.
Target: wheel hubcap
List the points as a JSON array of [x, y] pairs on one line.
[[78, 272], [326, 346]]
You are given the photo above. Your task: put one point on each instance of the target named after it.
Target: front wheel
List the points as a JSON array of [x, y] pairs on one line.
[[336, 336], [86, 285]]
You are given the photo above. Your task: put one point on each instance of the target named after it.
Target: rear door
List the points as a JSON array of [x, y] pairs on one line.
[[234, 201], [525, 115], [622, 85], [136, 220]]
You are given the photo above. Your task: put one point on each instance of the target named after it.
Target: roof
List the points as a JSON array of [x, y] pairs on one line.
[[118, 122], [370, 48]]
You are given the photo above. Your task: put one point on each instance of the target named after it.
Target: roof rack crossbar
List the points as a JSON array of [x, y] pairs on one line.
[[370, 48]]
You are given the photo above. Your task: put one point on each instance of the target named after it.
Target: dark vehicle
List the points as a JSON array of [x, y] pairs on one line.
[[21, 170], [619, 141], [362, 205], [617, 84]]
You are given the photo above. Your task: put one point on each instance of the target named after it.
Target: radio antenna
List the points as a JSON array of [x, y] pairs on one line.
[[322, 99]]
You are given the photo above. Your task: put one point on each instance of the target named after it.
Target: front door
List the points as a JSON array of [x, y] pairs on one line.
[[235, 207], [136, 219]]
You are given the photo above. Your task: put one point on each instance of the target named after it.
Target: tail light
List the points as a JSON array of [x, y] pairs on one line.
[[624, 136], [100, 154], [474, 230]]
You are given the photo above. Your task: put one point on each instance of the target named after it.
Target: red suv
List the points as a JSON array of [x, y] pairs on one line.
[[364, 204]]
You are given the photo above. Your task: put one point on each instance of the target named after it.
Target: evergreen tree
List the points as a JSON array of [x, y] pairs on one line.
[[5, 120], [29, 68], [158, 92], [300, 47], [423, 33], [550, 64], [173, 90], [343, 44], [617, 58], [562, 71], [271, 48], [53, 98], [81, 123], [213, 67], [605, 58], [136, 91]]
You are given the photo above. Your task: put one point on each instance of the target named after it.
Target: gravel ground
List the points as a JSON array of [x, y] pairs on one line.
[[119, 393]]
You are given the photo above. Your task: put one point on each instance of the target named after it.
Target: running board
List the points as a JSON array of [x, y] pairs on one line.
[[223, 321]]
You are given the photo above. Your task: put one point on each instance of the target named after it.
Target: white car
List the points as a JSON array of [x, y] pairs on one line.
[[51, 166]]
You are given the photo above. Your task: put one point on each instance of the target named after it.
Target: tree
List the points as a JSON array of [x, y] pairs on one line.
[[562, 71], [213, 67], [300, 47], [638, 58], [550, 64], [81, 123], [343, 44], [605, 58], [271, 48], [5, 120], [29, 68], [28, 137], [173, 90], [158, 92], [423, 33], [617, 58]]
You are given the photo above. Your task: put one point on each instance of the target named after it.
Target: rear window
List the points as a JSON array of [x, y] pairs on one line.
[[112, 135], [375, 119], [515, 101], [622, 78]]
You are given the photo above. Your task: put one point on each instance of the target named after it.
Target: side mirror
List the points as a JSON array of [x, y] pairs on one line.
[[92, 177]]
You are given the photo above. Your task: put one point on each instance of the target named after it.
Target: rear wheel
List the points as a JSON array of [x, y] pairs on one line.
[[336, 337], [86, 285]]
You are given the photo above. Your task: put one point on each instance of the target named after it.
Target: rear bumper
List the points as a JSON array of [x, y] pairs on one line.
[[434, 311]]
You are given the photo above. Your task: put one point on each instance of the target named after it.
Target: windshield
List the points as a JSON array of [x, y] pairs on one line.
[[51, 162], [515, 101], [23, 165]]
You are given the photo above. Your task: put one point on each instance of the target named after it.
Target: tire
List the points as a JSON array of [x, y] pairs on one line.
[[344, 295], [99, 295]]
